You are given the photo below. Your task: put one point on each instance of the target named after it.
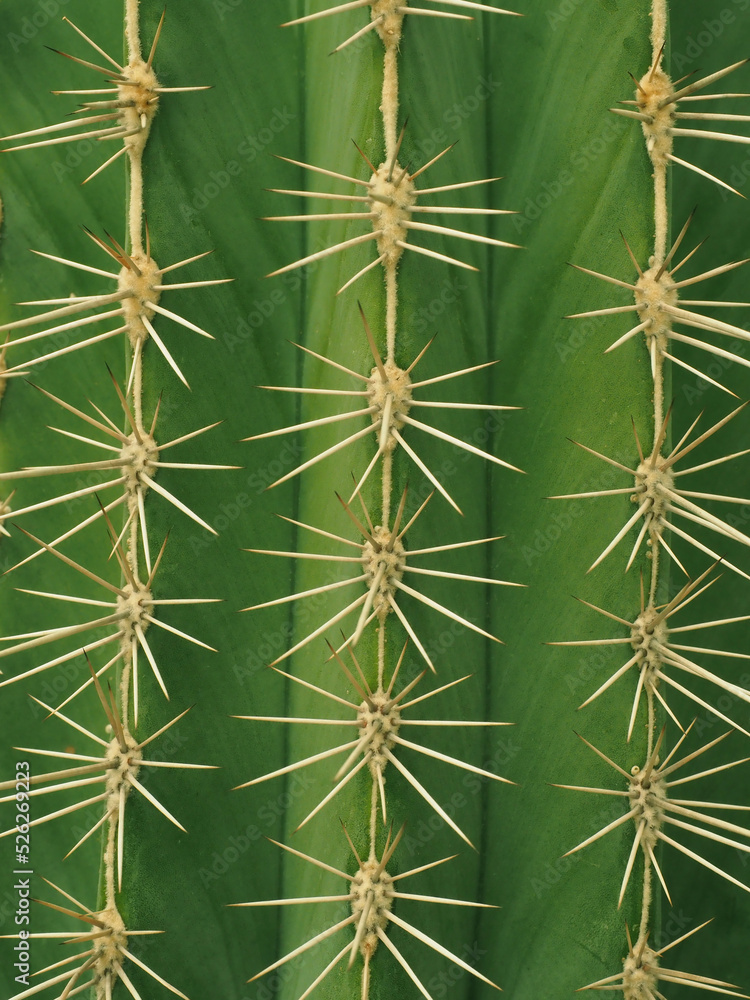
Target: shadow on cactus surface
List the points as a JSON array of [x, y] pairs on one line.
[[340, 640]]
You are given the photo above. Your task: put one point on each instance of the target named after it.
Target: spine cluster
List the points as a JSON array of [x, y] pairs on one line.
[[664, 521]]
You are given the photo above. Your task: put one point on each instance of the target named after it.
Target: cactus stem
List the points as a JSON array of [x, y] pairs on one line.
[[390, 196]]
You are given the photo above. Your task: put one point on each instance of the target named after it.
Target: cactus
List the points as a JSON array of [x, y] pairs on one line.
[[379, 593]]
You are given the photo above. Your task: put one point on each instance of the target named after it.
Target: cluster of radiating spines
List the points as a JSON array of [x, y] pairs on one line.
[[659, 309], [126, 112], [111, 771], [657, 102], [380, 564], [135, 459], [642, 972], [658, 653], [378, 721], [387, 16], [371, 892], [650, 803], [388, 397], [657, 494], [131, 307], [101, 964], [127, 613], [390, 200]]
